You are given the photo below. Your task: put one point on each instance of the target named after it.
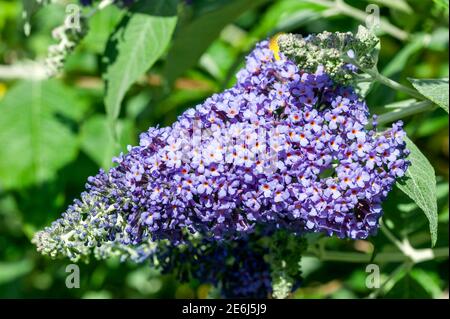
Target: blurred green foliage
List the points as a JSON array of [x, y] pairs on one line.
[[55, 133]]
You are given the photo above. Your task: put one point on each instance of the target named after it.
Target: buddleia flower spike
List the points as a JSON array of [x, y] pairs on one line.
[[287, 149]]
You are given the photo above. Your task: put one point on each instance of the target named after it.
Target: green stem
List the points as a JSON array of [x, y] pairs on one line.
[[360, 15], [393, 84], [390, 235], [414, 108], [102, 5], [340, 7], [386, 257], [405, 266]]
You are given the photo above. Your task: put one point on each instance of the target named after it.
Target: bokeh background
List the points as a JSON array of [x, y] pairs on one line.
[[54, 134]]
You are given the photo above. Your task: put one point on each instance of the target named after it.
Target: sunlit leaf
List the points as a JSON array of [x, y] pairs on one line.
[[285, 15], [407, 287], [101, 25], [136, 44], [429, 282], [34, 139], [436, 90], [420, 186], [193, 39]]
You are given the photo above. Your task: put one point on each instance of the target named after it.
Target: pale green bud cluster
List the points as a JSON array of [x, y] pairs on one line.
[[85, 229], [341, 54], [68, 37]]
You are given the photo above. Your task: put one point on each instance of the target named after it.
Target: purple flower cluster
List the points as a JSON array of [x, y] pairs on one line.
[[282, 148], [237, 267]]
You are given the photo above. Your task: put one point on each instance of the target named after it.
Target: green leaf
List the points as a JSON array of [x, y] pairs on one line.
[[436, 90], [101, 25], [408, 287], [285, 15], [400, 60], [420, 186], [35, 142], [98, 143], [437, 40], [138, 41], [193, 39], [442, 3], [63, 100], [432, 126], [218, 59], [137, 104], [10, 271], [428, 280]]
